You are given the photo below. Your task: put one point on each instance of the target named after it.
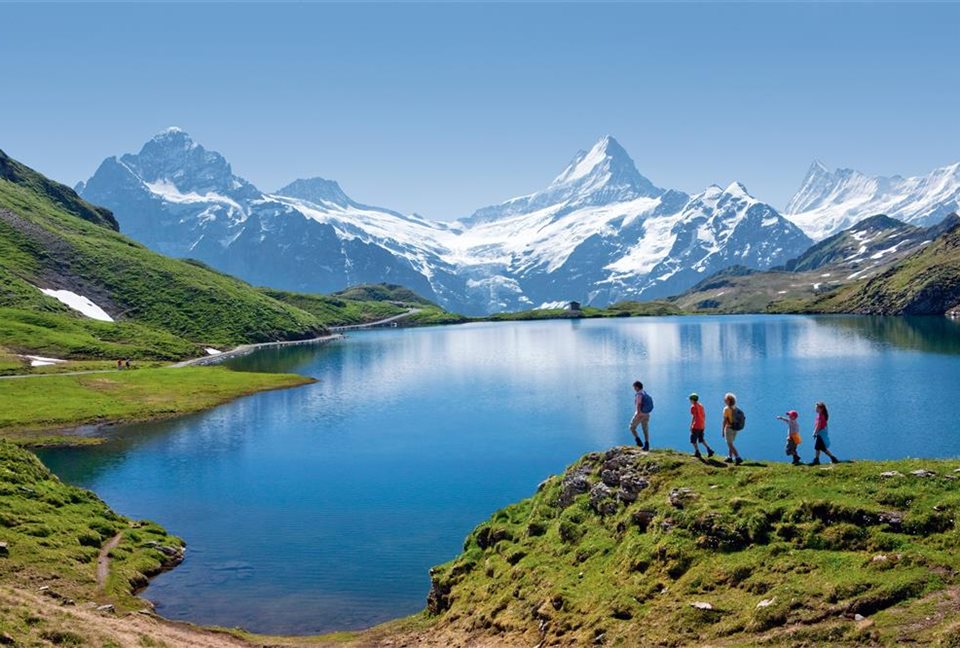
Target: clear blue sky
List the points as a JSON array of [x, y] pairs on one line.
[[443, 108]]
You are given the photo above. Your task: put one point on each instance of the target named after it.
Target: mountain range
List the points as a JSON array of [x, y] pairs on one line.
[[830, 201], [599, 233]]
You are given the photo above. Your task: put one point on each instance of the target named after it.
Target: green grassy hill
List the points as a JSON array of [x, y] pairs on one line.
[[367, 303], [629, 548], [165, 308]]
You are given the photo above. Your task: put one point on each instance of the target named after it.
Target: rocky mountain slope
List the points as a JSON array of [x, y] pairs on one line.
[[629, 548], [830, 201], [926, 282], [71, 286], [601, 232], [865, 250]]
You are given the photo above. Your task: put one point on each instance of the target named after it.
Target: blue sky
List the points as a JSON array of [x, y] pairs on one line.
[[444, 108]]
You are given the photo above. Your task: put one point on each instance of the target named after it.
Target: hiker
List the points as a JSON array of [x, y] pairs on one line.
[[793, 435], [821, 437], [733, 421], [120, 364], [698, 424], [126, 363], [644, 405]]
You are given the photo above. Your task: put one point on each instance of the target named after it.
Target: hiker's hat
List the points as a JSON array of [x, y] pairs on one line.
[[694, 396], [793, 414]]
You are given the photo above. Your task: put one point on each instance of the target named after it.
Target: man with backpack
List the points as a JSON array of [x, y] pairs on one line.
[[641, 417], [734, 420]]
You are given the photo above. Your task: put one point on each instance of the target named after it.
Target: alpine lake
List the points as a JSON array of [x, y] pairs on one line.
[[323, 507]]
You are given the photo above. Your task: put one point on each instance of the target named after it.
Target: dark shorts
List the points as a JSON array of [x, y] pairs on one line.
[[819, 444], [791, 448], [696, 436]]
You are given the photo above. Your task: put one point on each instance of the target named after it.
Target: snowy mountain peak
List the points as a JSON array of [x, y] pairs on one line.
[[171, 159], [737, 189], [601, 176], [316, 190], [606, 154], [606, 166], [830, 201]]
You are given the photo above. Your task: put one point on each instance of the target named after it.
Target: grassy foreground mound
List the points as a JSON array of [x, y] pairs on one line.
[[53, 535], [629, 548], [27, 410]]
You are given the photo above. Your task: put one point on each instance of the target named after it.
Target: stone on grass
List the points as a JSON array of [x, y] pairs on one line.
[[923, 473], [766, 603], [106, 609], [891, 473], [602, 499], [679, 496], [701, 605]]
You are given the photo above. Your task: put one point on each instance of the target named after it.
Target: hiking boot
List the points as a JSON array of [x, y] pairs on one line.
[[697, 454], [796, 461], [728, 460], [815, 462], [710, 453], [738, 461], [646, 447], [640, 443], [834, 460]]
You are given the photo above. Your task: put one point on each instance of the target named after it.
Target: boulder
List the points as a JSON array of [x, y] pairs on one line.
[[602, 499], [891, 473], [573, 484], [679, 496], [630, 485]]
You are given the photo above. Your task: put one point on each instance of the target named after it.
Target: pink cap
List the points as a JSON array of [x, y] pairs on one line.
[[793, 414]]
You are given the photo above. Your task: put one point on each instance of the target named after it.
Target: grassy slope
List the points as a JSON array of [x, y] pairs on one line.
[[26, 409], [367, 303], [54, 533], [169, 307], [822, 544]]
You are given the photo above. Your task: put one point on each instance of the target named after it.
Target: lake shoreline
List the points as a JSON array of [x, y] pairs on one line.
[[399, 624]]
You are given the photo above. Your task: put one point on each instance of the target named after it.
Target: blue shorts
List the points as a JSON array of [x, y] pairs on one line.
[[823, 440]]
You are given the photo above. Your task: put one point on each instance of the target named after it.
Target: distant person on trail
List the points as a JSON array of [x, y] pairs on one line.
[[641, 417], [120, 364], [793, 435], [733, 421], [126, 363], [698, 424], [821, 436]]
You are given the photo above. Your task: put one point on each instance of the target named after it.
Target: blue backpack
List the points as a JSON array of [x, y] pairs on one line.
[[646, 403]]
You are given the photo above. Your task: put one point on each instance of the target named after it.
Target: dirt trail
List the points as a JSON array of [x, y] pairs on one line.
[[103, 560]]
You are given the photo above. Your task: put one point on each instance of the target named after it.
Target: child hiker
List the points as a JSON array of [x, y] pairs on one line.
[[698, 423], [821, 436], [733, 422], [793, 435]]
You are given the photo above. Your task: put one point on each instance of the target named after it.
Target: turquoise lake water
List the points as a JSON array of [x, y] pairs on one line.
[[323, 507]]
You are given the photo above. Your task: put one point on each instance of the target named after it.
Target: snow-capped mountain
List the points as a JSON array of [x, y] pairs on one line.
[[184, 201], [599, 232], [604, 232], [828, 202]]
